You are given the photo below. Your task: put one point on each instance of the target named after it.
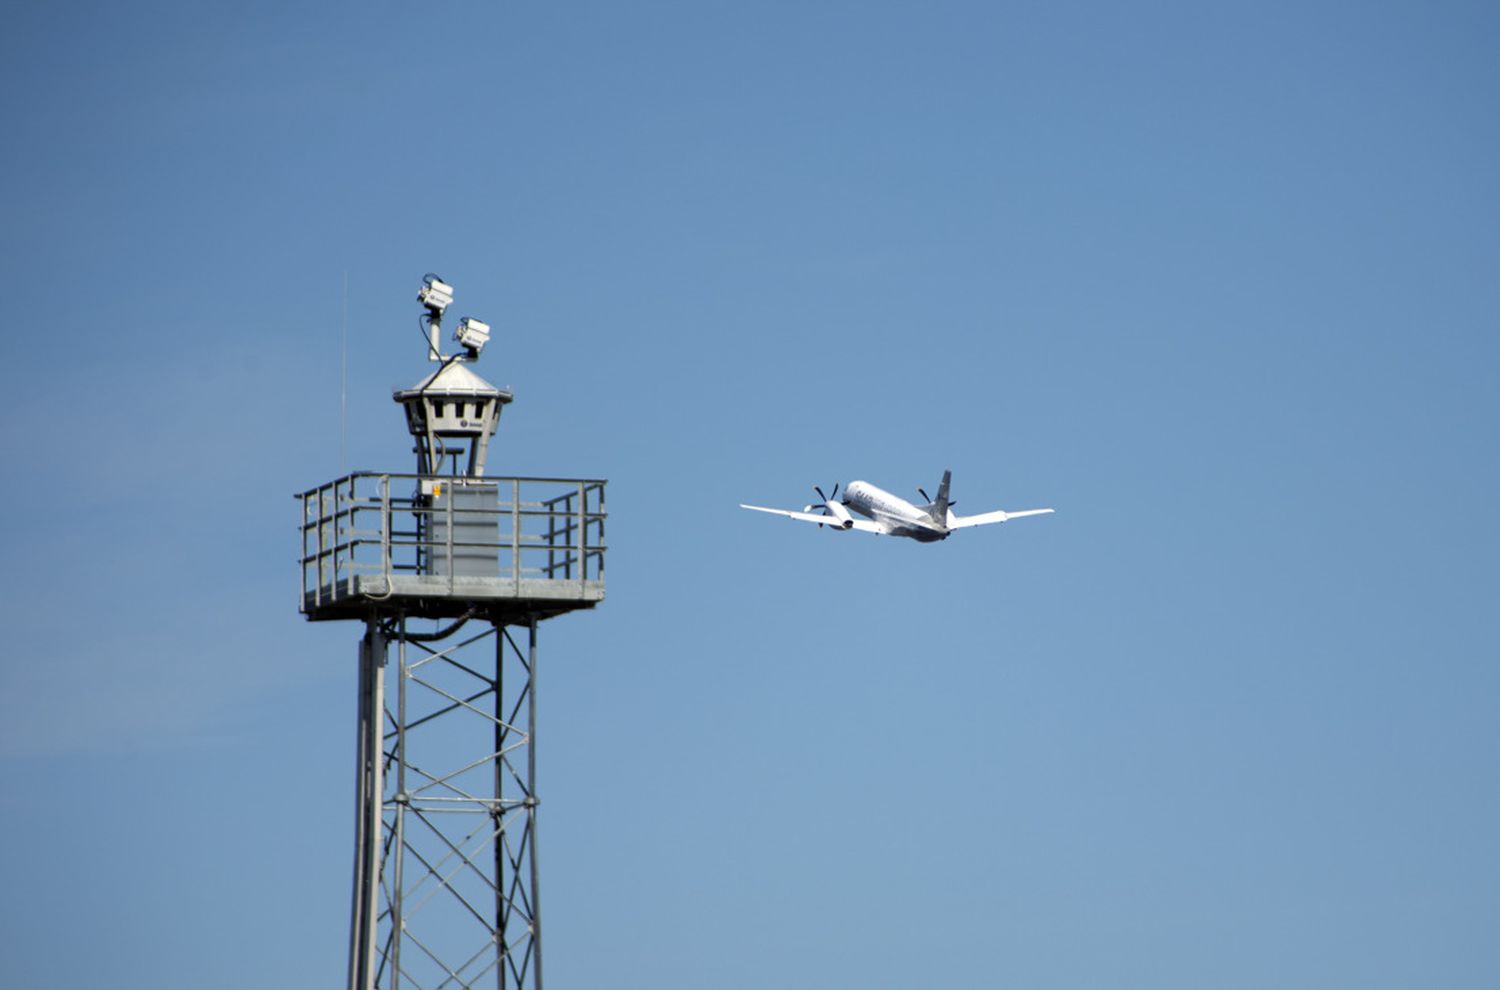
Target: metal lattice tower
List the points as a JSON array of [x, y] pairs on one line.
[[450, 574]]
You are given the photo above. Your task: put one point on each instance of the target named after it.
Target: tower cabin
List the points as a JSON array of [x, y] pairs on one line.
[[452, 413]]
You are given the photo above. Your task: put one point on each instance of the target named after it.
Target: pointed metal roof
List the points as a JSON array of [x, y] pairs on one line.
[[453, 378]]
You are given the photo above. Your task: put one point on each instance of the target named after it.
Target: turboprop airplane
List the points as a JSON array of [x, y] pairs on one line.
[[890, 515]]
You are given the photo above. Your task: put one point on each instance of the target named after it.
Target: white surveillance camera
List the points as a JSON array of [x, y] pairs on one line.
[[435, 294], [472, 334]]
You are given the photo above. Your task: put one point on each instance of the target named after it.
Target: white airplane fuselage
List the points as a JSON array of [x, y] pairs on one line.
[[894, 514]]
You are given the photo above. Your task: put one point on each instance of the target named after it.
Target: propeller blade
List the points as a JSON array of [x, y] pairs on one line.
[[821, 496], [925, 496], [835, 491]]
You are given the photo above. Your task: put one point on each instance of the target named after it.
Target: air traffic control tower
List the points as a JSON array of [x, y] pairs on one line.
[[449, 570]]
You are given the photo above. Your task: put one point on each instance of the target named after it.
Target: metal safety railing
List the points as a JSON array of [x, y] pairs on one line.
[[366, 531]]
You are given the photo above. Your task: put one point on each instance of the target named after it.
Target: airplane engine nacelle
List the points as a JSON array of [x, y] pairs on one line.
[[839, 516]]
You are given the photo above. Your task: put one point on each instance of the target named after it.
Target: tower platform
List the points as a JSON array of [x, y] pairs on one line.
[[429, 546]]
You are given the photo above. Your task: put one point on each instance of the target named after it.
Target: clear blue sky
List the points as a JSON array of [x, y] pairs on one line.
[[1217, 281]]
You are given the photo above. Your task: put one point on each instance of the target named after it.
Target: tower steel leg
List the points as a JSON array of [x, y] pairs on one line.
[[370, 751], [531, 804]]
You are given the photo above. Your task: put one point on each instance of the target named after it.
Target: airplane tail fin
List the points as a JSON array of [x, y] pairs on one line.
[[938, 510]]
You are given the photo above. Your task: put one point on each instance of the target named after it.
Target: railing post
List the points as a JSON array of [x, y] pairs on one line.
[[583, 527], [515, 534], [551, 505], [599, 532], [338, 528], [321, 543], [385, 529], [302, 565]]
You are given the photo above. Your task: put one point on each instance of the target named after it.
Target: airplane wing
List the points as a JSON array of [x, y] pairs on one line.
[[820, 519], [985, 518]]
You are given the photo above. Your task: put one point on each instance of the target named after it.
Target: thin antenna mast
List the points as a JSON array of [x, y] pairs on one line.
[[344, 380]]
